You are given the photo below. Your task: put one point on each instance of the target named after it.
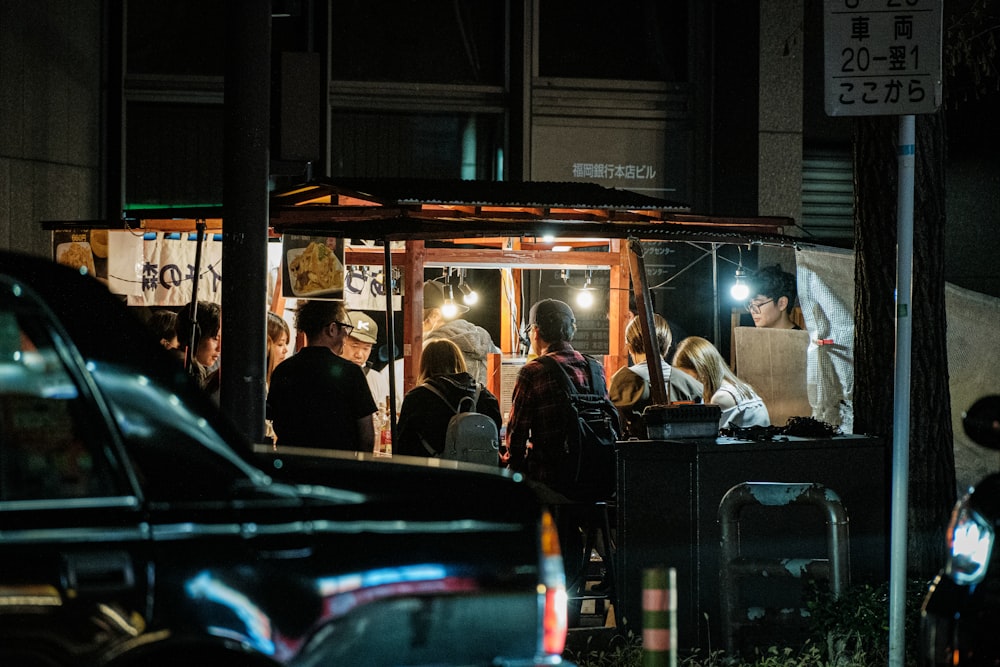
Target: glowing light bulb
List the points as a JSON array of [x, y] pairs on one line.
[[740, 290], [470, 297], [585, 298]]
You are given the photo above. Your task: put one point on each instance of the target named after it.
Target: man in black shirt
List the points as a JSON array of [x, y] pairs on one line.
[[316, 398]]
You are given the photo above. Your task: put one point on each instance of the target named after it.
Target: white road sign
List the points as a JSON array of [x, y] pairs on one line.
[[882, 57]]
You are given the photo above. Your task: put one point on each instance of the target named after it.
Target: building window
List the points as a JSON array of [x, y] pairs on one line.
[[429, 41], [444, 145], [639, 40]]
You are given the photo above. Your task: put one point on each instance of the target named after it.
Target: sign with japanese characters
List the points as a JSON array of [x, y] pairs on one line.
[[882, 57], [158, 269]]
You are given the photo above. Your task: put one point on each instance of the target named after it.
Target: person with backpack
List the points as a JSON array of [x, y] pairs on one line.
[[539, 419], [562, 425], [444, 389]]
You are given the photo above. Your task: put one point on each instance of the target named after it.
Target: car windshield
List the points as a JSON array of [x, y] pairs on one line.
[[177, 452]]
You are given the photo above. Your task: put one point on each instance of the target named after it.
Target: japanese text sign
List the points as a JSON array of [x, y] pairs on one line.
[[882, 57]]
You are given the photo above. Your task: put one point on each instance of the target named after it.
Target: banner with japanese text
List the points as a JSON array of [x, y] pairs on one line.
[[158, 269]]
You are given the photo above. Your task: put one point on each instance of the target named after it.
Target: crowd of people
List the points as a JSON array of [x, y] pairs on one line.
[[326, 394]]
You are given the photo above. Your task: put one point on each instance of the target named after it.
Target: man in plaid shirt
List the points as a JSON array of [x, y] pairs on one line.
[[536, 429]]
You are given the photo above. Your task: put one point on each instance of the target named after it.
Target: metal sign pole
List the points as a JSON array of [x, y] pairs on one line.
[[901, 393]]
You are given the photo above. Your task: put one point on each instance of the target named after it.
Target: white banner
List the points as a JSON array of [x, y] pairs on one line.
[[364, 290], [157, 269]]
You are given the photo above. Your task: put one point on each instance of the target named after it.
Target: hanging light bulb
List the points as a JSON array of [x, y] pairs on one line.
[[469, 296], [740, 290], [448, 308], [585, 297]]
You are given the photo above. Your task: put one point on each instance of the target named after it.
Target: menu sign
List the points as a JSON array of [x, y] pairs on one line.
[[84, 250], [312, 267]]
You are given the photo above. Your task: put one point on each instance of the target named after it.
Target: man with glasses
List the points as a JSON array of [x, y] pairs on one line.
[[316, 398], [775, 297]]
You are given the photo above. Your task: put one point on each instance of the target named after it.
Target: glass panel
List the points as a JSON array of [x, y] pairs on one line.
[[428, 41], [639, 40], [51, 435], [181, 37], [417, 145], [174, 154]]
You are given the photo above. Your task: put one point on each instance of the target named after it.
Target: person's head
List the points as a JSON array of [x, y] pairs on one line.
[[278, 338], [323, 323], [701, 360], [164, 326], [550, 321], [440, 357], [358, 346], [633, 336], [206, 330], [434, 301], [773, 297]]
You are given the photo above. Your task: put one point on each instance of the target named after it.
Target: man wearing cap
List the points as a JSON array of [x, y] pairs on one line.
[[538, 401], [538, 396], [474, 341], [316, 398], [358, 347]]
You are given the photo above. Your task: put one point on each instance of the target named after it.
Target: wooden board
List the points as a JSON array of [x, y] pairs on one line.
[[774, 362]]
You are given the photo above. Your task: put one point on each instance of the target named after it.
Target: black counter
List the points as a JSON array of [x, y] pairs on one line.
[[668, 499]]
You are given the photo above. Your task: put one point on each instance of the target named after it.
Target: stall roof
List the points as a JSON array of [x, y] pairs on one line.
[[422, 208], [457, 209]]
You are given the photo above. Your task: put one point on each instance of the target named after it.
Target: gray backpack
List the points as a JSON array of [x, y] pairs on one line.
[[471, 436]]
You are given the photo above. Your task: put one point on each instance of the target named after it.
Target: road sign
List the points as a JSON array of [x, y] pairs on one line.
[[882, 57]]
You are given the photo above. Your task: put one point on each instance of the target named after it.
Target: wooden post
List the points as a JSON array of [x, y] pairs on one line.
[[413, 313], [644, 311]]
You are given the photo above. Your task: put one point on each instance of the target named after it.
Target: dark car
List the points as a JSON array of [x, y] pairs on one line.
[[135, 530], [960, 617]]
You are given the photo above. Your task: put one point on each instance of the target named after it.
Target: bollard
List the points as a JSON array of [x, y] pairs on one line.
[[659, 617]]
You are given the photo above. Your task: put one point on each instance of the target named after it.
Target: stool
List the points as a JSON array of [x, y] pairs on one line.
[[596, 578]]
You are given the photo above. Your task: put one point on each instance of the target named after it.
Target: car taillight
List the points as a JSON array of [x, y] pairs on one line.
[[970, 543], [552, 590]]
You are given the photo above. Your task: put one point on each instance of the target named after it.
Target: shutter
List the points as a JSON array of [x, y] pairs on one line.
[[828, 194]]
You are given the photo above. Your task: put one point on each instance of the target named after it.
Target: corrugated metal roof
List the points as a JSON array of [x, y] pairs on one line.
[[418, 191], [422, 208], [455, 209]]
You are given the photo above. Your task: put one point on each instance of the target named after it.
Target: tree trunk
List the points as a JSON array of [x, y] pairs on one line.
[[932, 461]]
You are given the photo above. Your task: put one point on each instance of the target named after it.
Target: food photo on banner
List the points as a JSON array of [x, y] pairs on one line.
[[312, 267], [84, 250], [157, 268]]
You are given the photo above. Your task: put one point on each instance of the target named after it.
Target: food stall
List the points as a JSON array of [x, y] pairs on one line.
[[424, 224]]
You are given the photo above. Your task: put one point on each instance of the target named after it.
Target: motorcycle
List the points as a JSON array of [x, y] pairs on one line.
[[960, 615]]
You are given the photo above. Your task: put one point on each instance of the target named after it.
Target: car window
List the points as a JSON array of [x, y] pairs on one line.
[[53, 443], [175, 452]]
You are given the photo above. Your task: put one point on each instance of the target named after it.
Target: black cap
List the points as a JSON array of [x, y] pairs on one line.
[[554, 318]]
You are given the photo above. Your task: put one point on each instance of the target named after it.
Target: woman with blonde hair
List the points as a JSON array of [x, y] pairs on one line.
[[741, 406], [424, 417], [278, 339]]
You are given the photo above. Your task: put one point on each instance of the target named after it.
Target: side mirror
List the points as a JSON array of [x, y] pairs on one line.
[[982, 421]]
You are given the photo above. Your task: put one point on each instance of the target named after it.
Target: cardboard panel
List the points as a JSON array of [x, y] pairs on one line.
[[774, 362]]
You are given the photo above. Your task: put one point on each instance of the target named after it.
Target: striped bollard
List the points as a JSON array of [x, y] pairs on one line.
[[659, 617]]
